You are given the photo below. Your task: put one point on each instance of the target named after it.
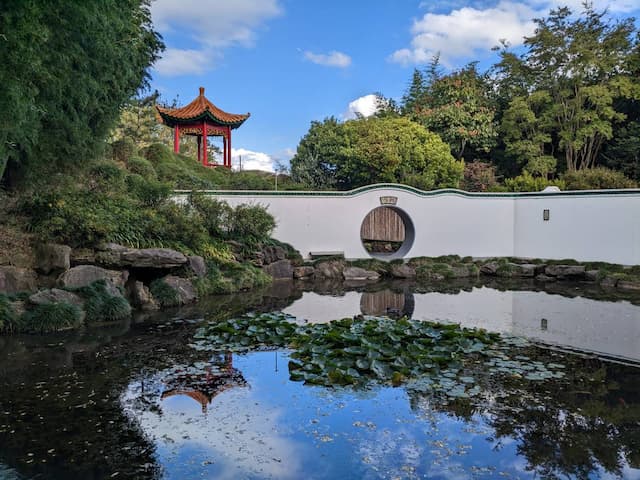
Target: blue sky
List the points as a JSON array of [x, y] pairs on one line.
[[289, 62]]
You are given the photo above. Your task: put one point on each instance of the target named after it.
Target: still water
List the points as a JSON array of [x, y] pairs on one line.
[[134, 400]]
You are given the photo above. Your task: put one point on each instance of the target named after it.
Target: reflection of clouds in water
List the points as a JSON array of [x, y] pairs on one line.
[[238, 434]]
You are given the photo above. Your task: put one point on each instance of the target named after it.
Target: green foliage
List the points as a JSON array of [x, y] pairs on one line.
[[51, 317], [479, 177], [456, 107], [251, 224], [164, 294], [597, 178], [580, 66], [150, 192], [527, 183], [9, 320], [101, 306], [66, 69], [142, 167]]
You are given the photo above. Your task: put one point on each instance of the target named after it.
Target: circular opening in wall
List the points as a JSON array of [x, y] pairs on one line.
[[387, 233]]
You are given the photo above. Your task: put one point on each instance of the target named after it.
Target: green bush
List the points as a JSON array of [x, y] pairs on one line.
[[164, 294], [9, 320], [51, 317], [597, 178], [102, 306], [216, 215], [150, 192], [528, 183], [251, 224], [142, 167]]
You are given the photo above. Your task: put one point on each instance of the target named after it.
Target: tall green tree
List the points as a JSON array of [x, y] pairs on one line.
[[67, 67], [583, 65], [458, 108]]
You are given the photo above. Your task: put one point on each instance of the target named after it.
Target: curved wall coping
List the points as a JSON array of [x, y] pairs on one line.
[[415, 191]]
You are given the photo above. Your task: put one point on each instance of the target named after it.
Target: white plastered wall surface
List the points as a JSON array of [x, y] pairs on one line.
[[586, 226]]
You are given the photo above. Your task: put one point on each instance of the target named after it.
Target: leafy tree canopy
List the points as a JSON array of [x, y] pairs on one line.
[[67, 67]]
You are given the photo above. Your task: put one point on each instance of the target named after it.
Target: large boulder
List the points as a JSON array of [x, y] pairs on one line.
[[629, 285], [82, 256], [198, 266], [183, 287], [52, 257], [114, 255], [279, 269], [565, 271], [55, 295], [303, 272], [490, 268], [329, 269], [403, 271], [84, 275], [272, 254], [142, 298], [357, 273], [16, 279]]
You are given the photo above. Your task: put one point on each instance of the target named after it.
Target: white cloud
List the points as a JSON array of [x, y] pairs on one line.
[[331, 59], [251, 160], [362, 107], [465, 32], [211, 25]]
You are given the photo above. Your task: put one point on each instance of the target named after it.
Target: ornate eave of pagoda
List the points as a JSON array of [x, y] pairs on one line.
[[200, 109]]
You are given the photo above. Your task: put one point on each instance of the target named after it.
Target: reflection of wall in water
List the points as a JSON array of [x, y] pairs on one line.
[[611, 328], [387, 302]]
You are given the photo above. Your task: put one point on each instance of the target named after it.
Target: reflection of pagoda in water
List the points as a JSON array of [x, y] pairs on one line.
[[216, 378]]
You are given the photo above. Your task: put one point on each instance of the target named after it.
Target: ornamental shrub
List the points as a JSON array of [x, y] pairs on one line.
[[597, 178], [528, 183], [51, 317]]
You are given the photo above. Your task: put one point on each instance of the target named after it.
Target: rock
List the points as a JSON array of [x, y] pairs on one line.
[[545, 278], [82, 256], [628, 285], [609, 282], [84, 275], [508, 270], [198, 266], [403, 271], [114, 255], [329, 269], [279, 269], [565, 271], [526, 269], [16, 279], [55, 295], [464, 271], [592, 275], [141, 297], [272, 254], [490, 268], [152, 258], [357, 273], [303, 272], [52, 257], [184, 288]]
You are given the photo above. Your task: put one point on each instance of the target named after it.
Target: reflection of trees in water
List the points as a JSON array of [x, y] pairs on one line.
[[589, 420]]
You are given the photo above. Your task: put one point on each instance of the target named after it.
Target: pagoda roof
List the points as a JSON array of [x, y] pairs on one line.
[[200, 109]]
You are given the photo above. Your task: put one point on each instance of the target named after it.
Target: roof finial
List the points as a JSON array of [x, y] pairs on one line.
[[202, 91]]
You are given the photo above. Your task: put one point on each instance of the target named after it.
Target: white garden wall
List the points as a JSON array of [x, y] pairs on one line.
[[594, 225]]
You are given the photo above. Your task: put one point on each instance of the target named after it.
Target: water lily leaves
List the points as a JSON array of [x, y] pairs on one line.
[[425, 356]]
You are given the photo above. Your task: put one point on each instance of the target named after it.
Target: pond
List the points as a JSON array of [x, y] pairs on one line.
[[554, 396]]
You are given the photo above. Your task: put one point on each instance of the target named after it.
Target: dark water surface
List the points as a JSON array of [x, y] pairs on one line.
[[134, 400]]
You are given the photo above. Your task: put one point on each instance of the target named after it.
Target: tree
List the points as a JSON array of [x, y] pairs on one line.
[[317, 155], [414, 95], [395, 150], [583, 66], [526, 129], [457, 107], [67, 67]]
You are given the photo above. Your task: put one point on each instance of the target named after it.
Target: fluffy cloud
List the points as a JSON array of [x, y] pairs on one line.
[[211, 25], [331, 59], [362, 107], [465, 31], [251, 160]]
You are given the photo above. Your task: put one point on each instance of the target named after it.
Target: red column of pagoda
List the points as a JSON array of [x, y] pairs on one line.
[[201, 118]]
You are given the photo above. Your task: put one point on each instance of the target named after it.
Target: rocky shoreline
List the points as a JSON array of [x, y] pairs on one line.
[[112, 280]]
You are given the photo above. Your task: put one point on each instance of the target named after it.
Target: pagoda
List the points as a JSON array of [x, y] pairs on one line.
[[202, 119]]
